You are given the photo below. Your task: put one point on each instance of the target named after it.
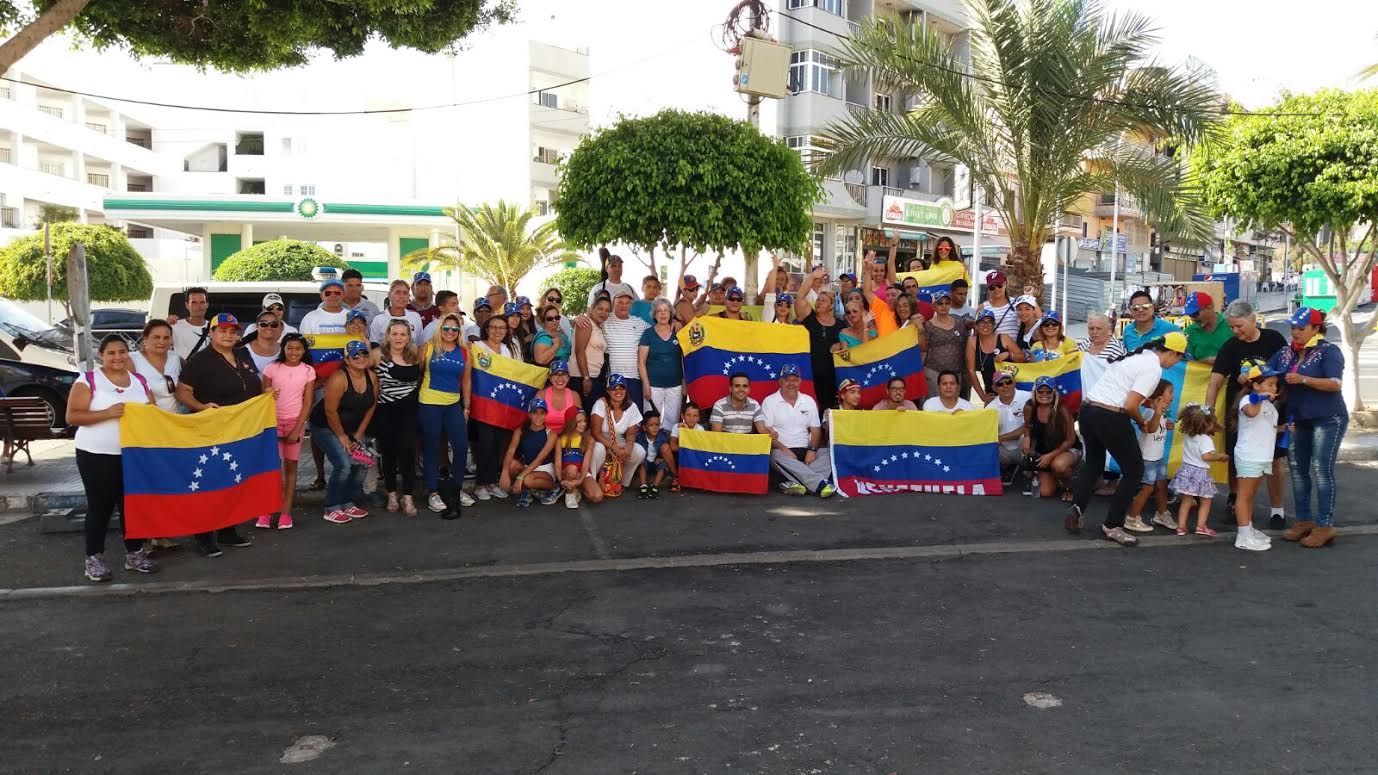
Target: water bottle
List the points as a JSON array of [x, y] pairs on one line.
[[1286, 438]]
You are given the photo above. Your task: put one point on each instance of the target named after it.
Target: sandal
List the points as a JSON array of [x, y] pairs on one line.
[[655, 492], [674, 484], [1181, 530], [1067, 496], [643, 493], [1205, 530]]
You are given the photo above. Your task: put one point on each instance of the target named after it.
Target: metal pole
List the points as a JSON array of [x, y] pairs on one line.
[[1115, 246], [976, 236], [48, 257], [1066, 277]]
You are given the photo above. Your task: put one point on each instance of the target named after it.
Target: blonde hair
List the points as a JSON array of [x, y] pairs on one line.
[[408, 351], [432, 350]]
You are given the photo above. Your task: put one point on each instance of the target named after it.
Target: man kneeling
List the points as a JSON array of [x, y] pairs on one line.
[[793, 419]]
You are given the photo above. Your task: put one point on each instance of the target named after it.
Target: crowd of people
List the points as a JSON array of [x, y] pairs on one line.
[[612, 411]]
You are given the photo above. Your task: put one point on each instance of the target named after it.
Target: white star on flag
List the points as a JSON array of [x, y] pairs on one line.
[[234, 467], [227, 456], [238, 478], [215, 450], [945, 468], [195, 485], [203, 460], [196, 473]]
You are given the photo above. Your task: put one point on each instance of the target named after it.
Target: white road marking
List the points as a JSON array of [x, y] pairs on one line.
[[306, 749]]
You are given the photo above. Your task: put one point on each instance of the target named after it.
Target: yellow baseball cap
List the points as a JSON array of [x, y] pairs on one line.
[[1175, 341]]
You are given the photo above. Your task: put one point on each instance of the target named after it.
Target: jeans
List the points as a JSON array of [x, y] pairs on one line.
[[1106, 431], [636, 395], [346, 478], [1316, 442], [667, 401], [434, 421], [102, 476]]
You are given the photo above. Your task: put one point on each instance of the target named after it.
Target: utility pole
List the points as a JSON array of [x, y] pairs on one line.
[[48, 258]]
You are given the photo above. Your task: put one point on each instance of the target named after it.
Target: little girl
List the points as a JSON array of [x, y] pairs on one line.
[[1152, 444], [1253, 454], [656, 441], [688, 419], [528, 465], [294, 380], [575, 460], [1193, 480]]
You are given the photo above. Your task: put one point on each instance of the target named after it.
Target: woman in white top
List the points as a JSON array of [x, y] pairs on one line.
[[95, 407], [267, 346], [495, 337], [159, 365], [1109, 412], [947, 399], [615, 423]]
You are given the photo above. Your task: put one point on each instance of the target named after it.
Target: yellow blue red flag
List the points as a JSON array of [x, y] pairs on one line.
[[1189, 382], [1065, 373], [716, 348], [194, 473], [937, 278], [502, 388], [724, 462], [873, 363], [876, 453], [327, 352]]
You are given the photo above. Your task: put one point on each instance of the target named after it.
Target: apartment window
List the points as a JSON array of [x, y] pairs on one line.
[[51, 110], [880, 176], [542, 207], [96, 126], [9, 217], [248, 144], [844, 245], [98, 179], [546, 155], [287, 190], [806, 146], [548, 99], [53, 167], [136, 187], [250, 186], [142, 142], [306, 189], [286, 146], [831, 6], [883, 102], [6, 93], [138, 232], [814, 71], [6, 156], [818, 243]]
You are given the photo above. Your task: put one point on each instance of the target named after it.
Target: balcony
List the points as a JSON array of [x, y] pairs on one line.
[[54, 111], [6, 156], [1105, 206], [101, 179]]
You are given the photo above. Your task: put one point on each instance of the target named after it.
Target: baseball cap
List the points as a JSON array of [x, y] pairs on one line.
[[523, 301], [1197, 301], [1005, 374], [420, 277], [482, 303], [624, 292], [847, 384], [690, 282], [557, 366], [1051, 315], [225, 320], [1257, 371], [716, 287], [1175, 341], [846, 276], [986, 314], [269, 299], [789, 370], [355, 347], [1306, 316], [942, 294], [332, 282], [614, 259], [537, 404], [785, 298], [995, 278], [1026, 299], [735, 294], [355, 314], [617, 380], [511, 308], [1045, 381]]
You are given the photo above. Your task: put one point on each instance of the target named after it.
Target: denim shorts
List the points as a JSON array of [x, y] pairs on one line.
[[1155, 471], [1252, 469]]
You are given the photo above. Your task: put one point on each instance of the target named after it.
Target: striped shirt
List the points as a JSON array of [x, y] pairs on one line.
[[397, 382], [624, 343], [1113, 348], [736, 420]]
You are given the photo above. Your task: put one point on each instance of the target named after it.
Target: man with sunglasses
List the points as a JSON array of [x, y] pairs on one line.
[[1147, 326], [272, 302], [328, 318], [1207, 332]]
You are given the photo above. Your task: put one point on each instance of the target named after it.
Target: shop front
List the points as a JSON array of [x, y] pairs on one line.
[[920, 223]]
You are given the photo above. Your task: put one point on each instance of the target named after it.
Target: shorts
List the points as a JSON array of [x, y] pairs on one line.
[[1155, 471], [1252, 469], [289, 451], [546, 468], [658, 464]]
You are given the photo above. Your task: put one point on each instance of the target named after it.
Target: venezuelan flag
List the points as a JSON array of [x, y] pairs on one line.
[[193, 473], [937, 278], [1066, 374], [716, 348], [327, 352], [875, 453], [724, 462], [873, 363], [502, 388], [1189, 381]]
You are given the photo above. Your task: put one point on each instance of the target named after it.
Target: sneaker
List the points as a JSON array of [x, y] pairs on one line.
[[465, 499], [827, 491], [207, 547], [549, 498], [1073, 521], [1206, 531], [524, 499], [355, 512], [572, 499], [139, 562], [1260, 535], [264, 522], [497, 492], [643, 493], [1250, 542], [1277, 522], [1137, 525], [655, 492], [285, 522], [96, 569], [1118, 535], [1032, 487], [1165, 519], [482, 492], [337, 516], [393, 504], [793, 488], [232, 537], [435, 503]]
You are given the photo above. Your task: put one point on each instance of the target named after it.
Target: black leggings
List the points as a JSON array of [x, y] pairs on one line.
[[492, 448], [103, 478], [396, 427], [1106, 431]]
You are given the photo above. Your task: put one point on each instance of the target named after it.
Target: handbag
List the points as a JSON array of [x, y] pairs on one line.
[[610, 477]]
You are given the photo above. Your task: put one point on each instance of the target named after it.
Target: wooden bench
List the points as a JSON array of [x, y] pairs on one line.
[[24, 419]]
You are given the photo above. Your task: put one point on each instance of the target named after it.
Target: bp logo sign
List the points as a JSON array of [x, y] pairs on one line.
[[309, 208]]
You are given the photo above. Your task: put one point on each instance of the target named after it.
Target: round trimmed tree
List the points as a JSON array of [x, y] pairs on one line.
[[279, 259], [115, 270]]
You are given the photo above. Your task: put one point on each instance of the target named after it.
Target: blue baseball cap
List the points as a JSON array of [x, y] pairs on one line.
[[789, 370], [942, 294], [690, 282], [225, 320], [1197, 301], [332, 282], [986, 314], [846, 276], [617, 380], [537, 404], [420, 277], [785, 298], [523, 301], [1045, 381], [355, 314], [735, 294], [1051, 315], [558, 366], [482, 303], [355, 347], [511, 308], [1306, 316]]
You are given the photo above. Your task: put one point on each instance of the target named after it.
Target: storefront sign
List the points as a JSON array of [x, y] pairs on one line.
[[964, 220], [900, 211]]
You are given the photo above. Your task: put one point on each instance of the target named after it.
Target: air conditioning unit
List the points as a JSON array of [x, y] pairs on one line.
[[762, 68]]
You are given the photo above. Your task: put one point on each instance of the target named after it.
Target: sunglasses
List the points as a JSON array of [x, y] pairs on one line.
[[450, 329], [947, 302], [359, 355], [1051, 324], [1044, 390], [270, 324], [995, 287], [333, 293], [275, 306], [1004, 383], [617, 387], [552, 319], [1140, 307]]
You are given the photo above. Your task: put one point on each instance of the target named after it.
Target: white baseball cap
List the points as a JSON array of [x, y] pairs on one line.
[[1026, 299], [272, 298]]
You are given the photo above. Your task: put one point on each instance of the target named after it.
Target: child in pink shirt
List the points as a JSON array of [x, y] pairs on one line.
[[293, 381]]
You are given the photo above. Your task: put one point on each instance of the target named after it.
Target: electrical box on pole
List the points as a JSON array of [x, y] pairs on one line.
[[762, 68]]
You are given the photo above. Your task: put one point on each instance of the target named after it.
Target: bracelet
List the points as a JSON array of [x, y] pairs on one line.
[[521, 477]]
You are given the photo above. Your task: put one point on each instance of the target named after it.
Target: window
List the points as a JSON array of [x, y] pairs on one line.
[[287, 190], [814, 71], [307, 189], [248, 144], [53, 167], [136, 187], [250, 186], [98, 179], [844, 244], [806, 146], [6, 156], [95, 126], [51, 110], [548, 99], [883, 102], [139, 232], [9, 217], [546, 155], [542, 207], [286, 146], [880, 176], [831, 6], [817, 243]]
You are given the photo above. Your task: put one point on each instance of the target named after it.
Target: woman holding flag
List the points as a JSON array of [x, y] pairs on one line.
[[491, 440], [443, 406]]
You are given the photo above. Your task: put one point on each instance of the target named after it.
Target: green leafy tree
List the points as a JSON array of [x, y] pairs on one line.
[[497, 243], [1040, 117], [279, 259], [1311, 172], [50, 214], [114, 270], [242, 35], [574, 284], [683, 182]]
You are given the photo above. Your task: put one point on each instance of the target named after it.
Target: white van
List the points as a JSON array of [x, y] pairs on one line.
[[244, 300]]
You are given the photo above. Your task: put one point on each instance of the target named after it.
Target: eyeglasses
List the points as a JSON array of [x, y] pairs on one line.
[[1140, 307], [1051, 324], [270, 324], [332, 293], [450, 329], [555, 319]]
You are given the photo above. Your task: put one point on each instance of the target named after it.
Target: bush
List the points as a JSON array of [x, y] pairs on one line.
[[280, 259], [114, 269], [574, 285]]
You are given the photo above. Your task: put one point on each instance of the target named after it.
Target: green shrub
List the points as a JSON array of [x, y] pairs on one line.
[[114, 269], [574, 285], [279, 259]]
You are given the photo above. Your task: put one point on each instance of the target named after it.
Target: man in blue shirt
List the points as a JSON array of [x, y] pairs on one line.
[[1146, 325]]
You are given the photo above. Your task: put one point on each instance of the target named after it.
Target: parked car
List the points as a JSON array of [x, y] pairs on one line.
[[128, 323], [28, 379], [26, 338], [244, 300]]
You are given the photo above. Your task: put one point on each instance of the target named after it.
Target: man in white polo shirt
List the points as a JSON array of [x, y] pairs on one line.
[[1010, 402], [793, 419]]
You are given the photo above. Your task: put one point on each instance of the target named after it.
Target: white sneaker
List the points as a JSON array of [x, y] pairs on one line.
[[436, 503], [469, 462], [1137, 525], [1250, 542], [572, 499], [1258, 535], [465, 499], [1164, 519], [496, 491], [481, 492]]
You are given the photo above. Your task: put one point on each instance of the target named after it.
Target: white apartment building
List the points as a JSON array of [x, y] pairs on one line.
[[914, 196]]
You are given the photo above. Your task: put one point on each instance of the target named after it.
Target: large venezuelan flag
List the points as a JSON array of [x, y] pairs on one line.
[[193, 473], [938, 278], [1066, 374], [327, 352], [502, 388], [873, 363], [1189, 381], [875, 453], [724, 462], [716, 348]]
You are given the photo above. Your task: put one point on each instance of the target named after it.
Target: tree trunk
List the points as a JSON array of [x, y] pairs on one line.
[[1353, 344], [1025, 269], [50, 21]]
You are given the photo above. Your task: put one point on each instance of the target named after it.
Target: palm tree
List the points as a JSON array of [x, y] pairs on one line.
[[495, 244], [1058, 101]]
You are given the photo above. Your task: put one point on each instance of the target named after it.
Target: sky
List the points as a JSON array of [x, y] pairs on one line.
[[650, 55]]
